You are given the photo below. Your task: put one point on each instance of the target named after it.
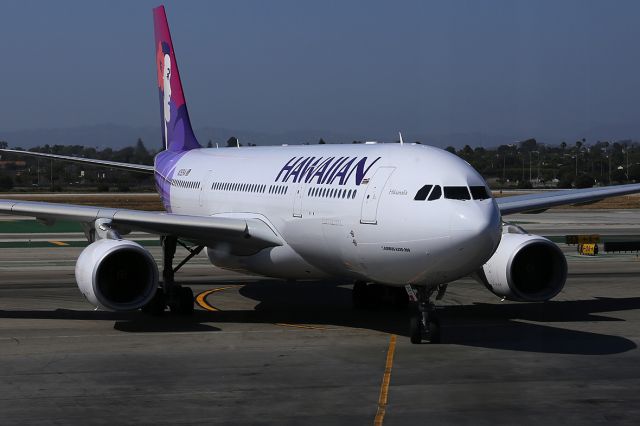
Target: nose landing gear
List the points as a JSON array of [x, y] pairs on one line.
[[425, 325]]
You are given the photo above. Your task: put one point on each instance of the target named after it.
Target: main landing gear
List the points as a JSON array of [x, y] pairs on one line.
[[179, 299], [425, 324]]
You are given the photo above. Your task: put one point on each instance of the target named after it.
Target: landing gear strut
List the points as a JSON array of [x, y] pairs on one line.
[[425, 324], [179, 299]]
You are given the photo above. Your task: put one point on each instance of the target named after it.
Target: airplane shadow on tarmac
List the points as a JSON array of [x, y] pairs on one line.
[[507, 326]]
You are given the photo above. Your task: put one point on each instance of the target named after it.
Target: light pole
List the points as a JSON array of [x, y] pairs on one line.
[[531, 152]]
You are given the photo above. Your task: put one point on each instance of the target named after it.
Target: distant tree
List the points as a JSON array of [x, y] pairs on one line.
[[233, 142], [450, 149], [6, 183], [4, 144], [321, 142], [140, 154], [563, 146], [584, 181], [210, 144], [618, 175], [524, 184], [529, 145]]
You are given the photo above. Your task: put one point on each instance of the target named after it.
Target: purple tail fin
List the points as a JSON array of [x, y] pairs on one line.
[[177, 133]]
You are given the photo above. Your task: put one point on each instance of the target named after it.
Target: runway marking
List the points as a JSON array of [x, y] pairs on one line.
[[384, 387], [58, 243], [308, 327], [201, 299]]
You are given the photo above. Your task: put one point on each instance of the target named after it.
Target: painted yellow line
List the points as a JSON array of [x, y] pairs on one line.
[[58, 243], [308, 327], [384, 388], [201, 299]]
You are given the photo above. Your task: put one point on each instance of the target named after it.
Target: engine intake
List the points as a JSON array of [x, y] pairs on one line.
[[526, 268], [117, 275]]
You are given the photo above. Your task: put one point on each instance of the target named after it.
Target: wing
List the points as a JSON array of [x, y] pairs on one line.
[[112, 164], [543, 201], [238, 235]]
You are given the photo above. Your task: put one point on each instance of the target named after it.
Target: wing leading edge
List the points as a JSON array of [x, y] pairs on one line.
[[103, 163], [543, 201], [239, 235]]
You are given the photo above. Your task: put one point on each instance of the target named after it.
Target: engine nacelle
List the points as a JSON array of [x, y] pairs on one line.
[[117, 275], [525, 267]]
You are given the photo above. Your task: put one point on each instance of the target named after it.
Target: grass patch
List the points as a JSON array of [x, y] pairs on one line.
[[35, 227]]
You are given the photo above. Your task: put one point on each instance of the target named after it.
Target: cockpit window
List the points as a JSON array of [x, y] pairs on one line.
[[456, 193], [422, 193], [479, 192], [436, 193]]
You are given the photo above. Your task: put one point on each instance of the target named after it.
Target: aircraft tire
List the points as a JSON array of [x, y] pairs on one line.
[[416, 330], [157, 304], [434, 331]]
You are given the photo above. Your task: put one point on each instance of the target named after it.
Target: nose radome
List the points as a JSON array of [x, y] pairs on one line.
[[475, 223], [470, 216]]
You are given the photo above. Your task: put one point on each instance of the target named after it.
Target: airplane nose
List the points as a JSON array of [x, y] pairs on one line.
[[476, 227]]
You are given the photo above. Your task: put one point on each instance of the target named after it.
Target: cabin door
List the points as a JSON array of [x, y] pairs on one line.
[[373, 193], [297, 199]]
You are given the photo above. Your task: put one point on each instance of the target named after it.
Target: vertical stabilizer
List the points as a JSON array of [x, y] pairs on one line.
[[177, 133]]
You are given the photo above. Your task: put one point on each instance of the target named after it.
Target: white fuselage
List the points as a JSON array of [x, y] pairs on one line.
[[344, 210]]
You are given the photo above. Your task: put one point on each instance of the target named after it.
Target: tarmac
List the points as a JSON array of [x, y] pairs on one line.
[[261, 351]]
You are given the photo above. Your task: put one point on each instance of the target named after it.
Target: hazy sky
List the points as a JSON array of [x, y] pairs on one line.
[[541, 68]]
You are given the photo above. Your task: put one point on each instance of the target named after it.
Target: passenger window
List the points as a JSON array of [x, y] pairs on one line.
[[479, 192], [456, 193], [422, 193], [436, 193]]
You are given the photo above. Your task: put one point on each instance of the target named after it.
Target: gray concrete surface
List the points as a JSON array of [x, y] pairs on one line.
[[285, 353], [562, 222]]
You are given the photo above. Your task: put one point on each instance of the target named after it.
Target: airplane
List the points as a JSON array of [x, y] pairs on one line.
[[408, 218]]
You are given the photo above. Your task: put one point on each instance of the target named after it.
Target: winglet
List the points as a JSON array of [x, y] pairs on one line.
[[401, 141]]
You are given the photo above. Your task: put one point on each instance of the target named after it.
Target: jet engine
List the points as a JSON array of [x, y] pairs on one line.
[[117, 275], [525, 267]]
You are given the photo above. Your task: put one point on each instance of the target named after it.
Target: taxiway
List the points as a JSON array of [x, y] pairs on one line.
[[261, 351]]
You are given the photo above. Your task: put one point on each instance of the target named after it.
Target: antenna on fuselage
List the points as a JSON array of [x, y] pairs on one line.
[[401, 141]]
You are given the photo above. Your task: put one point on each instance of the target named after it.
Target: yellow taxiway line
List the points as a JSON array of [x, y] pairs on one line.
[[201, 299], [308, 327], [384, 387], [58, 243]]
